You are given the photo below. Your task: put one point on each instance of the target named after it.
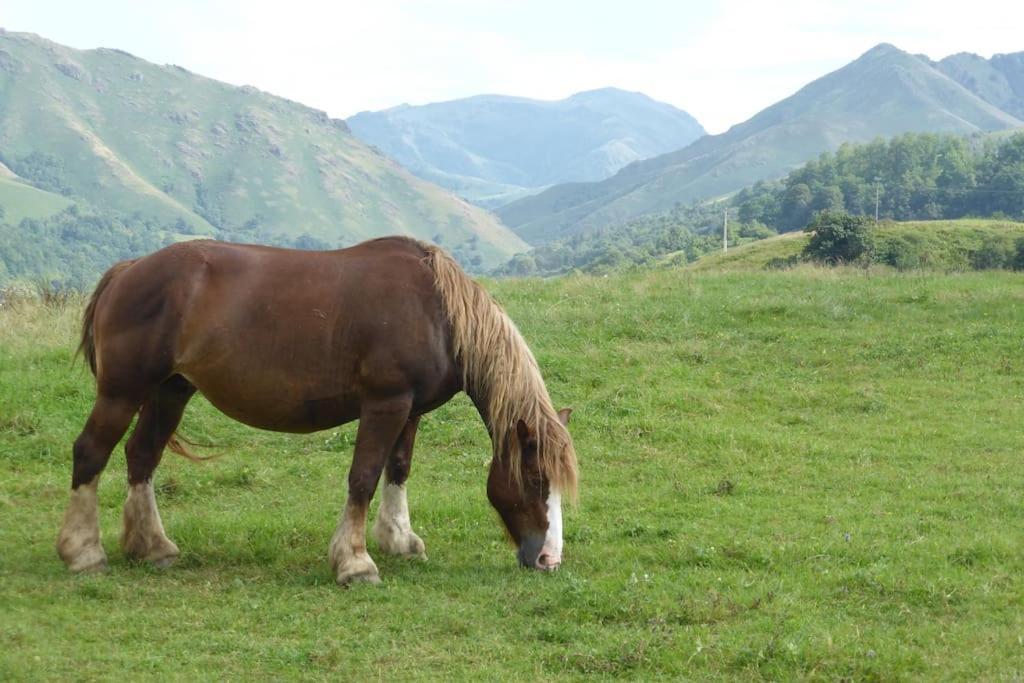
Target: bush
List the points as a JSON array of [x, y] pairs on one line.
[[780, 263], [839, 238], [899, 254], [1018, 257], [521, 265], [756, 230], [995, 252]]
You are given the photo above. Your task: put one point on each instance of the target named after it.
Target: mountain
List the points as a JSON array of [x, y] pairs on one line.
[[999, 81], [115, 134], [883, 93], [491, 148]]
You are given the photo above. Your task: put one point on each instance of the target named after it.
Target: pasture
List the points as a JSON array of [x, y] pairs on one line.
[[809, 474]]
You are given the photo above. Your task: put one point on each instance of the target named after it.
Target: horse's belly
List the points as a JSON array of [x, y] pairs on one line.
[[281, 408]]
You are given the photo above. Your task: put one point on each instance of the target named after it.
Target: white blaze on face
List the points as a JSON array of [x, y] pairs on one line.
[[553, 541]]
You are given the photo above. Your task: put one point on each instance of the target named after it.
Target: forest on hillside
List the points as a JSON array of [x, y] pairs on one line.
[[914, 177], [72, 248]]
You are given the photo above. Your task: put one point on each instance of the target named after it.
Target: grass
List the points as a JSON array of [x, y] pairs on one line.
[[24, 201], [944, 245], [812, 474]]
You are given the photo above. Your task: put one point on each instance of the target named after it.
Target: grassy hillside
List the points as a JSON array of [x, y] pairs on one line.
[[811, 474], [492, 149], [936, 245], [20, 200], [883, 93], [127, 136], [751, 256]]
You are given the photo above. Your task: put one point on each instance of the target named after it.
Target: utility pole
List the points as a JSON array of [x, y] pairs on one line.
[[877, 188], [725, 232]]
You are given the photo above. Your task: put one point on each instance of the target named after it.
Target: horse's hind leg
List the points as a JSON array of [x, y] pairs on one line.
[[393, 530], [143, 536], [78, 543]]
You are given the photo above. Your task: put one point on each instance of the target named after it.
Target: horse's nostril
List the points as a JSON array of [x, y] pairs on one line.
[[546, 561]]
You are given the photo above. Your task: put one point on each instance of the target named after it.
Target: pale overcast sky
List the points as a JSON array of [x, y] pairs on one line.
[[720, 61]]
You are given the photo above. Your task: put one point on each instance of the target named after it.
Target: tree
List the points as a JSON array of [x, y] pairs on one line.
[[755, 230], [521, 265], [1018, 259], [839, 237], [995, 252], [796, 206]]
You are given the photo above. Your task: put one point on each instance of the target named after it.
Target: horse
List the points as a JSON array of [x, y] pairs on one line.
[[299, 341]]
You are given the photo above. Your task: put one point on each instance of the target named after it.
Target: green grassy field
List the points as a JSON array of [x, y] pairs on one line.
[[936, 245], [811, 474]]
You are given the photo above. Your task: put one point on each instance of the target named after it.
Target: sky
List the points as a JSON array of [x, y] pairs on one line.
[[720, 61]]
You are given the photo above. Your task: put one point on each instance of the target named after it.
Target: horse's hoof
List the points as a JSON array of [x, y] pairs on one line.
[[94, 568], [361, 577], [89, 561], [165, 562], [403, 545], [414, 549], [161, 552]]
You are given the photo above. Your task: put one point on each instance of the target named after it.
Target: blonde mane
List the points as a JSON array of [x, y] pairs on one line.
[[499, 371]]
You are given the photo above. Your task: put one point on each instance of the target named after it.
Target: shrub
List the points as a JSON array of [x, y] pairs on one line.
[[780, 263], [756, 230], [995, 252], [839, 238], [899, 254], [1018, 257]]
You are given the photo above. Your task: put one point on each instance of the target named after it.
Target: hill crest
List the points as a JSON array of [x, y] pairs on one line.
[[116, 133], [492, 148], [882, 93]]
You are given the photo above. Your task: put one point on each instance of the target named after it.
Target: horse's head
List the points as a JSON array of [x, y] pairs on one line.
[[528, 501]]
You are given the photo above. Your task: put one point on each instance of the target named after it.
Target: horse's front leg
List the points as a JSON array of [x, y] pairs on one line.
[[380, 425], [393, 530]]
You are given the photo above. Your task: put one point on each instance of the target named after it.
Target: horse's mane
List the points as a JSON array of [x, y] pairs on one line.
[[500, 371]]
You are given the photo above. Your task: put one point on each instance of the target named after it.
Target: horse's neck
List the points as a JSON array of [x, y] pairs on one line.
[[481, 403]]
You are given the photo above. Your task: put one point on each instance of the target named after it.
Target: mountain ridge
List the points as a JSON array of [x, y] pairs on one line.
[[112, 131], [999, 80], [882, 93], [490, 148]]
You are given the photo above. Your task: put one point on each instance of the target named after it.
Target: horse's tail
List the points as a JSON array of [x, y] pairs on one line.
[[176, 445], [87, 345]]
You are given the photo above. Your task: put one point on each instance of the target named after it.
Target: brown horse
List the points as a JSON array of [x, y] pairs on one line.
[[299, 341]]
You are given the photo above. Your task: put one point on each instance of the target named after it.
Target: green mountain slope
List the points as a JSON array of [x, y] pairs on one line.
[[882, 93], [492, 148], [19, 200], [999, 81], [131, 137]]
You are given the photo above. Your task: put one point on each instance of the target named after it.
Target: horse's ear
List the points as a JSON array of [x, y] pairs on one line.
[[563, 416], [523, 432]]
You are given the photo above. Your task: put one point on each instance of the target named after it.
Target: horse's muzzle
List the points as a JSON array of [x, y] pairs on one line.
[[535, 554]]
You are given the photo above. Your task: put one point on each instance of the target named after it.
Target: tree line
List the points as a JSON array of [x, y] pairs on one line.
[[910, 177], [917, 176]]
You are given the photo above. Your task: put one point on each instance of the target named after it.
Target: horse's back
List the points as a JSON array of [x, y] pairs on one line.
[[222, 278], [266, 332]]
